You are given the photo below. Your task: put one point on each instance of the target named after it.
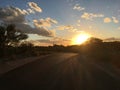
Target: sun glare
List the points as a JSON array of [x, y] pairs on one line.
[[80, 38]]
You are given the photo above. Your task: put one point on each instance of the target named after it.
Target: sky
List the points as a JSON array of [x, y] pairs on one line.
[[50, 22]]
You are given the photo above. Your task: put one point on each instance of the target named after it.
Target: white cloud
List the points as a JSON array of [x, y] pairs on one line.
[[69, 28], [65, 27], [12, 14], [107, 20], [30, 10], [44, 22], [90, 16], [78, 23], [115, 20], [17, 16], [78, 7], [34, 6]]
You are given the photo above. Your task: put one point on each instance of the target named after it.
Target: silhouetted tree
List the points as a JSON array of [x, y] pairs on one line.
[[9, 35], [94, 40]]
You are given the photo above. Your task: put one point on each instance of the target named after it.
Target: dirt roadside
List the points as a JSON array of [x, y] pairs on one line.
[[10, 65]]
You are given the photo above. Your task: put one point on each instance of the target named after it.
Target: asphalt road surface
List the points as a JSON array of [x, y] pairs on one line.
[[62, 71]]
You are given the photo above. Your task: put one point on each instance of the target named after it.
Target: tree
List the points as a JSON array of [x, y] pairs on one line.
[[9, 35], [94, 40]]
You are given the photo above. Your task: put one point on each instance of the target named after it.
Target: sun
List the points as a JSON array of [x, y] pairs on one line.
[[80, 39]]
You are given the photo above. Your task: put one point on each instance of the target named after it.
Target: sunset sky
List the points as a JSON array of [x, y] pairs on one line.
[[58, 21]]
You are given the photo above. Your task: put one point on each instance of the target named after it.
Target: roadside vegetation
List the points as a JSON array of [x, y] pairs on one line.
[[13, 45]]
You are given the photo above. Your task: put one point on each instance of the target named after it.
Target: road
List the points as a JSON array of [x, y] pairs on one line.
[[62, 71]]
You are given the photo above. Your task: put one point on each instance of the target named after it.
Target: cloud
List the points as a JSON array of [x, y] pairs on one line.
[[42, 31], [12, 14], [90, 16], [65, 27], [78, 23], [50, 41], [30, 10], [44, 22], [69, 28], [112, 39], [107, 20], [17, 16], [34, 6], [115, 20], [78, 7], [55, 40]]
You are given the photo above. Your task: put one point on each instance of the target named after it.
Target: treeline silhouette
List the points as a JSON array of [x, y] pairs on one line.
[[13, 46]]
